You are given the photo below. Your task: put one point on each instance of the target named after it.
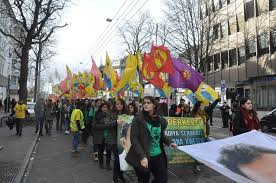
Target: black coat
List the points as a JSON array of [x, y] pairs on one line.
[[209, 109], [225, 112], [102, 122], [141, 139], [239, 125]]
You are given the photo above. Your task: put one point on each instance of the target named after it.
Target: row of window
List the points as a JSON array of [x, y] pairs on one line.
[[238, 56], [226, 58], [254, 8], [214, 5], [228, 27], [261, 44]]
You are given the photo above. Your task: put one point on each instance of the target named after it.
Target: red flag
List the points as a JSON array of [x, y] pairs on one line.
[[152, 77], [94, 69], [160, 59], [63, 86]]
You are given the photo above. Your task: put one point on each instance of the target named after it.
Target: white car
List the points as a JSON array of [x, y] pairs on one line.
[[31, 112]]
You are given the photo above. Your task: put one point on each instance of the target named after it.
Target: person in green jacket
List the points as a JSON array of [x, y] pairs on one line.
[[76, 126]]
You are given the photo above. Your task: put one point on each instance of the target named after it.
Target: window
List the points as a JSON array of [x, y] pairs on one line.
[[207, 10], [262, 6], [224, 59], [216, 61], [232, 57], [249, 9], [2, 60], [242, 56], [216, 31], [263, 43], [272, 5], [232, 25], [13, 80], [251, 47], [273, 41], [224, 29], [209, 63], [225, 2], [217, 5], [240, 21]]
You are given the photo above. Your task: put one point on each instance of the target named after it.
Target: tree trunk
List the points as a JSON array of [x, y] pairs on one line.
[[23, 92], [36, 79], [37, 71]]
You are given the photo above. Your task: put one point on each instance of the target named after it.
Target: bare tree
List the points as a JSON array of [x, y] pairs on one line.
[[137, 35], [34, 19], [42, 54], [187, 32]]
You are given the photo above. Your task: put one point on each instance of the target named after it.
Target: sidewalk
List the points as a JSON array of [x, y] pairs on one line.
[[15, 154]]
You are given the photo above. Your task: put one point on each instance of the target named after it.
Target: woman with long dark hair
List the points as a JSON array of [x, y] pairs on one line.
[[199, 112], [246, 119], [104, 133], [118, 109], [132, 109], [146, 153]]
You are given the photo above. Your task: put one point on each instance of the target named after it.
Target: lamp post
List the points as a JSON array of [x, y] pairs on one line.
[[109, 19]]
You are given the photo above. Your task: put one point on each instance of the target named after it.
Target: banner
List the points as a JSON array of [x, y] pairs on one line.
[[246, 158], [182, 131]]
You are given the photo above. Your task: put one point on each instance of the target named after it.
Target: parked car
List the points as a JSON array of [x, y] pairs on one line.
[[31, 112], [268, 122]]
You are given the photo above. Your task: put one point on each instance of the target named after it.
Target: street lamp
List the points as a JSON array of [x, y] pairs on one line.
[[109, 19]]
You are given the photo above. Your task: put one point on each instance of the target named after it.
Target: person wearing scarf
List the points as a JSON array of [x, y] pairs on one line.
[[246, 119], [146, 153]]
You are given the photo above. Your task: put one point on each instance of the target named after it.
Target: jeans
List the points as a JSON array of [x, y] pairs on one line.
[[19, 126], [157, 166], [58, 123], [67, 125], [76, 138], [48, 126], [39, 124]]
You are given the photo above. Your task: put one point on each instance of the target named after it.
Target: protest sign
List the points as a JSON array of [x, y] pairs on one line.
[[183, 131]]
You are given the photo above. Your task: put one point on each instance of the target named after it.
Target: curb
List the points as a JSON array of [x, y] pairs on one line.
[[25, 163]]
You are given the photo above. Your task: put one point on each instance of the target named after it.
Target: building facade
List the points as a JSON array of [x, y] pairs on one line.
[[9, 62], [243, 49]]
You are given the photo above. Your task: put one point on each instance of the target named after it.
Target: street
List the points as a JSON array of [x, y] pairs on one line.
[[31, 159]]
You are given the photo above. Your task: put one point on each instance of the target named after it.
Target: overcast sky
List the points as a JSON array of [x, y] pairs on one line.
[[86, 19]]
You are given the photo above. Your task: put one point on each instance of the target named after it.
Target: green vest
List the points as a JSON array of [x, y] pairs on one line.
[[73, 123]]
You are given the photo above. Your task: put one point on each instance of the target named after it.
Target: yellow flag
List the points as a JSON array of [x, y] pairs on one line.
[[166, 88], [129, 73], [206, 93], [69, 73], [109, 73]]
